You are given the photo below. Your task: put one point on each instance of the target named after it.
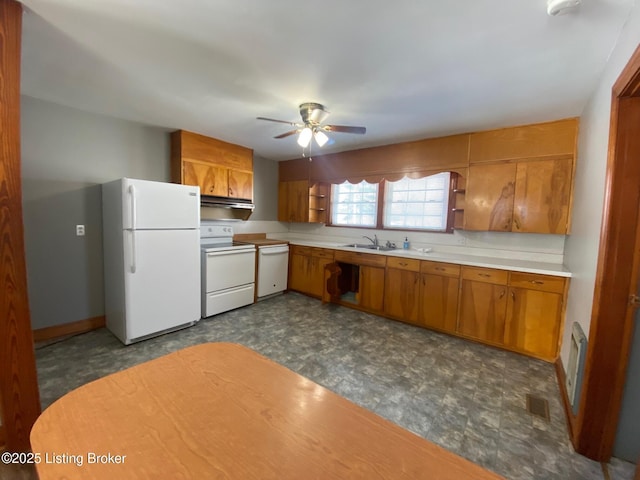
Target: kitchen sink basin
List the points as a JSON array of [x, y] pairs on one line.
[[370, 246]]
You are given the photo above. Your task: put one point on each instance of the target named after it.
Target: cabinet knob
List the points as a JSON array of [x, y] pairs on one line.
[[502, 294], [536, 282], [485, 275], [404, 264], [440, 269]]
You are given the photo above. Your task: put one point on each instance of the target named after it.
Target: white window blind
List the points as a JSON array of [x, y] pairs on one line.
[[354, 204], [420, 203]]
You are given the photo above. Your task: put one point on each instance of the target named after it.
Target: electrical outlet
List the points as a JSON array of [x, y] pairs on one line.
[[80, 230]]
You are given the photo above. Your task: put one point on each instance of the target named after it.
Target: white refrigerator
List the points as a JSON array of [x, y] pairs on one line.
[[151, 242]]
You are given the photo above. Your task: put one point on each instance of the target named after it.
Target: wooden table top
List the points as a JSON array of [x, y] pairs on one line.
[[222, 411]]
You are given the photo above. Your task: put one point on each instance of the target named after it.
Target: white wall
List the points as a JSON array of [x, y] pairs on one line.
[[581, 249], [66, 155]]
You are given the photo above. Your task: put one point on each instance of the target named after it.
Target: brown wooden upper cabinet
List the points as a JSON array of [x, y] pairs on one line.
[[301, 200], [218, 168], [298, 201], [528, 141], [525, 196], [520, 178]]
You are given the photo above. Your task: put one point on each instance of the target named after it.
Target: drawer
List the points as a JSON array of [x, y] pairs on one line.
[[322, 253], [403, 263], [532, 281], [487, 275], [357, 258], [300, 250], [437, 268]]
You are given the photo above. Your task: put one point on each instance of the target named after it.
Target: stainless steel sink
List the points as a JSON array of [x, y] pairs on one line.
[[359, 245], [369, 246]]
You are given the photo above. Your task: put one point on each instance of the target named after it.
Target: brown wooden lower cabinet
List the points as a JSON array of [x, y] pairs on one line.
[[521, 311], [298, 271], [306, 269], [533, 325], [371, 288], [439, 302], [483, 308], [518, 311], [534, 318], [402, 289]]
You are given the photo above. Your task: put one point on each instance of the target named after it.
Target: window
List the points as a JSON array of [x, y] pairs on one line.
[[354, 204], [417, 203], [408, 204]]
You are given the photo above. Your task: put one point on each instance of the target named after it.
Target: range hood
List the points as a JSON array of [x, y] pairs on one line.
[[223, 208]]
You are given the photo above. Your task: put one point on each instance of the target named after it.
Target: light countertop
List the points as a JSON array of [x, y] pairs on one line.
[[525, 266]]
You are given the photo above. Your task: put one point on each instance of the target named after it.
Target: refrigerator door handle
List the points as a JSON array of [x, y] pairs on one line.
[[133, 251], [132, 192]]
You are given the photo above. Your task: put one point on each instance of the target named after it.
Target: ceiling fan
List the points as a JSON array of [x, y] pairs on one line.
[[313, 114]]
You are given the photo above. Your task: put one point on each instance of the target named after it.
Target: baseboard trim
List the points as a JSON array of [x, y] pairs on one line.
[[568, 411], [57, 331]]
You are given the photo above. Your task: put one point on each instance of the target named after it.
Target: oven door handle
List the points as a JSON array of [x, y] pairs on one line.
[[228, 252]]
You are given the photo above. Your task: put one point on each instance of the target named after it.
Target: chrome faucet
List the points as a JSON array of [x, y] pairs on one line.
[[373, 240]]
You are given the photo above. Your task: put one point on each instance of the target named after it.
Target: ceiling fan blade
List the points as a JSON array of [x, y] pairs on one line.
[[345, 129], [286, 134], [278, 121]]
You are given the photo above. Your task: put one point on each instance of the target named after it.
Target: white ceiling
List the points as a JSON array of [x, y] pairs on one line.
[[406, 69]]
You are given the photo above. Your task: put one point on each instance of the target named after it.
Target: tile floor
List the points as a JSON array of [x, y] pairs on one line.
[[463, 396]]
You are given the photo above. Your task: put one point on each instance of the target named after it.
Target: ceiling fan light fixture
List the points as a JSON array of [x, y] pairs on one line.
[[305, 137], [320, 138]]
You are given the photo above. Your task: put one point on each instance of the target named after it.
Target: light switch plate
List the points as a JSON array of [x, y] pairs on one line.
[[80, 230]]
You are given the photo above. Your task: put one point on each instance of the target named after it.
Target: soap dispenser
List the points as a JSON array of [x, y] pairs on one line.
[[405, 244]]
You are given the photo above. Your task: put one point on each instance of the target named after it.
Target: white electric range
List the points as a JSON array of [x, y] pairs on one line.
[[228, 270]]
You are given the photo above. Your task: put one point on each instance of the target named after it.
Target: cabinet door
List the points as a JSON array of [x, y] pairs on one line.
[[439, 302], [293, 201], [212, 180], [533, 322], [543, 190], [401, 294], [482, 311], [371, 290], [299, 273], [526, 141], [241, 184], [489, 197], [316, 280]]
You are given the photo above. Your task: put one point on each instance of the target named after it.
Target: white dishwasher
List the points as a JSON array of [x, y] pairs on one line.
[[273, 266]]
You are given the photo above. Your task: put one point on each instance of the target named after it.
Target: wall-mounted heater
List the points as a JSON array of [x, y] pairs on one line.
[[575, 368]]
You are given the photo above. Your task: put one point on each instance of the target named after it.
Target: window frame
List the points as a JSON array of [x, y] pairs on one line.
[[382, 191], [330, 207]]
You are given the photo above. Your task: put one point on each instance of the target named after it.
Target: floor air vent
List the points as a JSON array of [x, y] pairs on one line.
[[538, 406]]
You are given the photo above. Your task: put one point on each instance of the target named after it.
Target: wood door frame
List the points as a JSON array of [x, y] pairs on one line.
[[611, 324], [19, 397]]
